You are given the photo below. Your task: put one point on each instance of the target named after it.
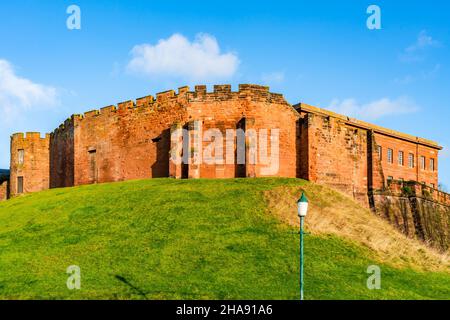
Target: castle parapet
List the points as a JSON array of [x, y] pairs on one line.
[[145, 101], [164, 96], [221, 92], [90, 114], [29, 136]]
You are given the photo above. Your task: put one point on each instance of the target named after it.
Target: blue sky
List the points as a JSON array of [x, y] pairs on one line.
[[318, 52]]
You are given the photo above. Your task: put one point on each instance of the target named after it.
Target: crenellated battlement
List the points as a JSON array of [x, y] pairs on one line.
[[29, 136], [221, 92], [246, 91]]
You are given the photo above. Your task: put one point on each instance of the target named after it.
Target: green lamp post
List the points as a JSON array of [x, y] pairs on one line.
[[302, 205]]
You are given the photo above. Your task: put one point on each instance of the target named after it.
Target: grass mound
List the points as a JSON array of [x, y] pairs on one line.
[[196, 239]]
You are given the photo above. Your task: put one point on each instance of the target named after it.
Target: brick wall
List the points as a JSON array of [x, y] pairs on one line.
[[252, 108], [344, 153], [337, 154], [133, 141], [130, 141], [399, 171], [417, 210], [62, 155], [35, 166]]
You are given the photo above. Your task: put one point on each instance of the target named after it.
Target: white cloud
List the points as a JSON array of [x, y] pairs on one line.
[[273, 77], [423, 41], [424, 75], [373, 110], [415, 51], [177, 57], [18, 94]]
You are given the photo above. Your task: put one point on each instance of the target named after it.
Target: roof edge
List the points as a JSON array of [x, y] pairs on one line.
[[366, 125]]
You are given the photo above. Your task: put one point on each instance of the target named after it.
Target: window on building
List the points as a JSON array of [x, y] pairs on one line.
[[380, 153], [432, 168], [19, 185], [390, 156], [390, 179], [432, 185], [20, 156], [422, 163], [411, 160], [400, 158]]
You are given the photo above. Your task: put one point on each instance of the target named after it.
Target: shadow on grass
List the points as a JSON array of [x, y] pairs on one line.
[[129, 284]]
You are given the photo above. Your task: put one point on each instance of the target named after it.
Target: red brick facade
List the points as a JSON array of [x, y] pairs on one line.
[[29, 163], [345, 153], [136, 140]]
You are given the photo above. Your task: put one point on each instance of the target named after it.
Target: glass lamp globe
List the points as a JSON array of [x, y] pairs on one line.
[[302, 206]]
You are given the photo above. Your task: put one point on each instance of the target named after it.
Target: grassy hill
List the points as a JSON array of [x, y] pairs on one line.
[[206, 239]]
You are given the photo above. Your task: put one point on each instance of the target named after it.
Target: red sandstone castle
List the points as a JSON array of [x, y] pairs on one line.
[[134, 141]]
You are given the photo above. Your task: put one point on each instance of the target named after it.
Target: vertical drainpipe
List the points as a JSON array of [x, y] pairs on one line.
[[417, 160]]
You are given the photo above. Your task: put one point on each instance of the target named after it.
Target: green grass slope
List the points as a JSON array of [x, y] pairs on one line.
[[172, 239]]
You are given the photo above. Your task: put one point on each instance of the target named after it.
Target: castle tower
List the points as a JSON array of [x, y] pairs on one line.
[[29, 163]]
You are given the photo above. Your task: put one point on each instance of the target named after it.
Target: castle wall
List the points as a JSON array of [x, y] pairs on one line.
[[133, 141], [130, 141], [254, 109], [62, 154], [344, 153], [404, 172], [417, 210], [337, 154], [34, 169]]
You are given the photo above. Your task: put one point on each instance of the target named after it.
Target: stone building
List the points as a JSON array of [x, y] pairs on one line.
[[134, 141], [248, 133]]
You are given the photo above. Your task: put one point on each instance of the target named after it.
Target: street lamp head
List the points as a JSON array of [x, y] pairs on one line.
[[302, 206]]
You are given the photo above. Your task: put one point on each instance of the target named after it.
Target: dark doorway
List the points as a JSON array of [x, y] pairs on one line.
[[19, 185], [240, 157], [93, 175], [160, 169], [186, 156]]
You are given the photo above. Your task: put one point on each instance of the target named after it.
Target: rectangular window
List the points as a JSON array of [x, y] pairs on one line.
[[411, 160], [19, 185], [380, 153], [400, 158], [432, 168], [390, 179], [390, 156], [422, 163], [20, 156], [432, 185]]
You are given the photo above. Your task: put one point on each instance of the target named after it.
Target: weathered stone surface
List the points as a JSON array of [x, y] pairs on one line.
[[417, 210], [35, 167]]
